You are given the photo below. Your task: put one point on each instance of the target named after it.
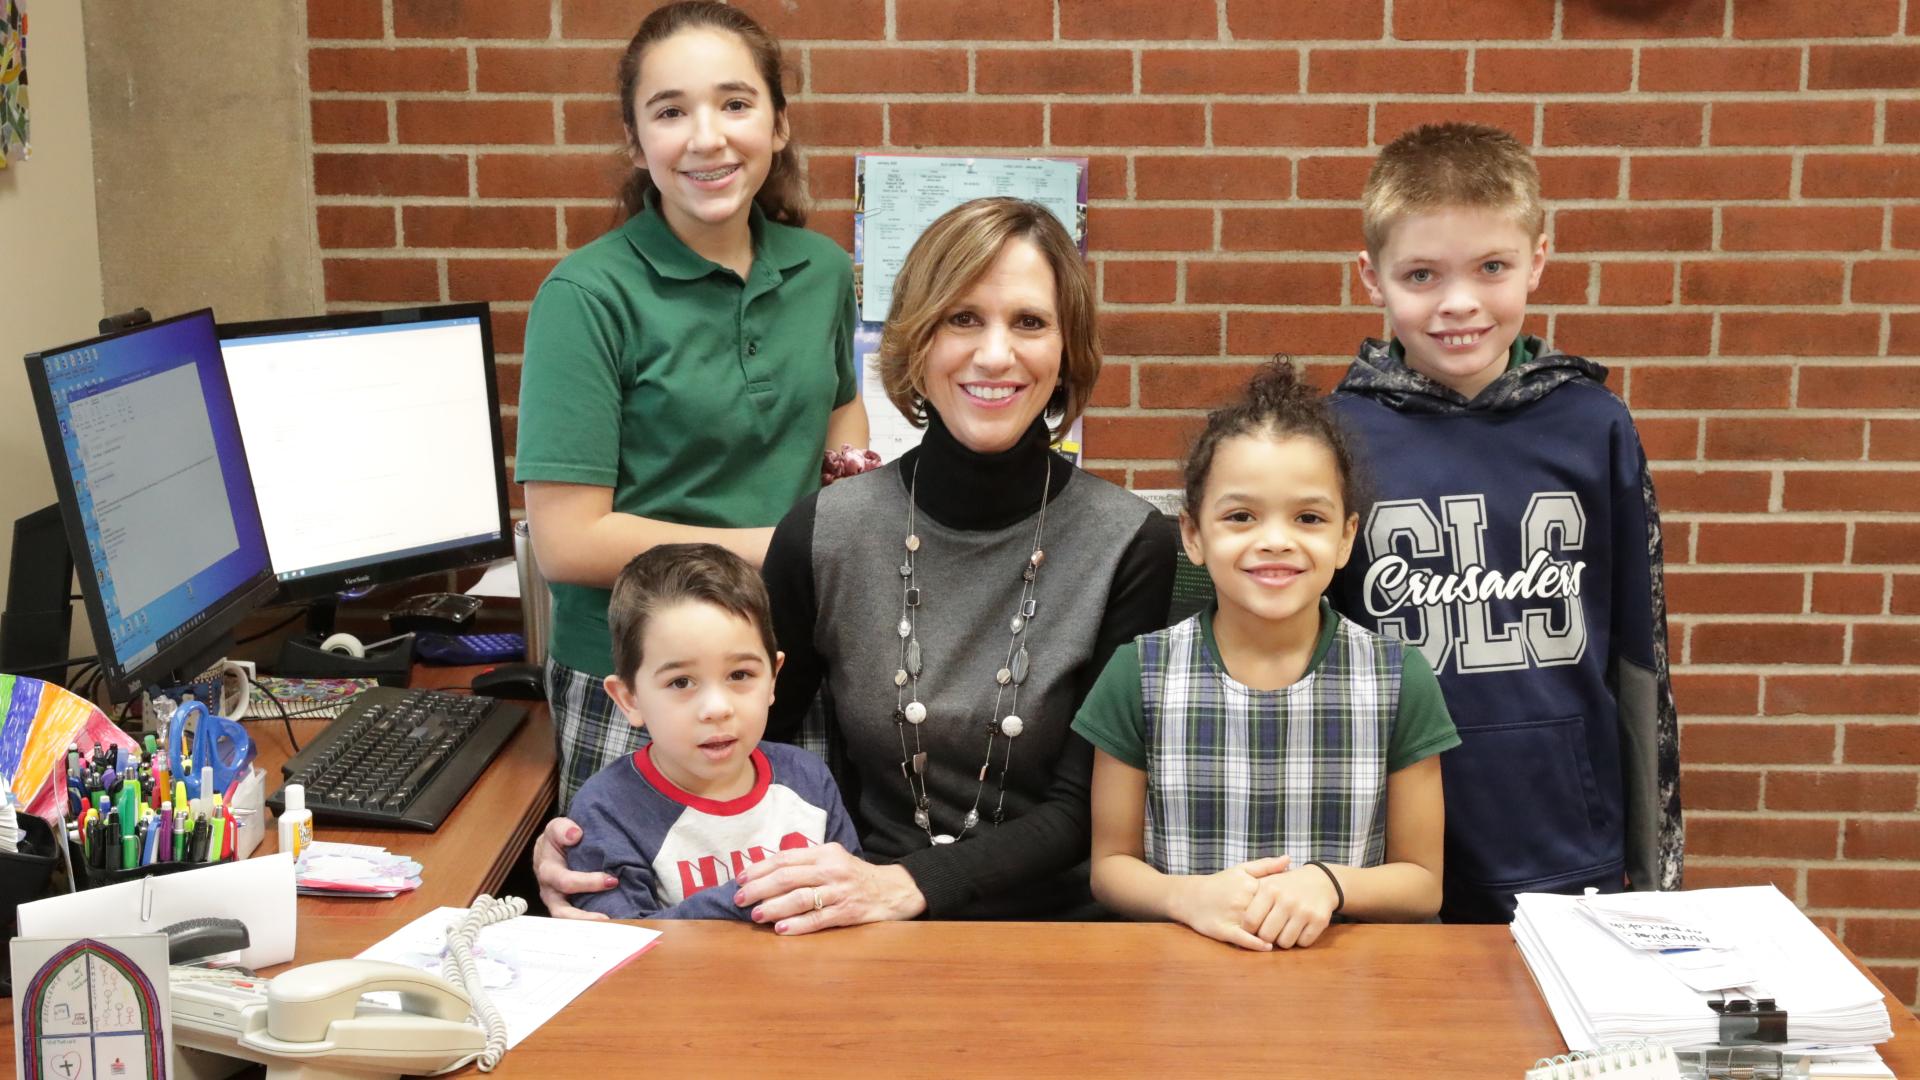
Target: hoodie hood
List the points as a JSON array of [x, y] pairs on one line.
[[1378, 372]]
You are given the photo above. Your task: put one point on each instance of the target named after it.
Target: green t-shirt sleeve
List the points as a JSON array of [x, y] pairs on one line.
[[570, 389], [843, 329], [1113, 717], [1422, 727]]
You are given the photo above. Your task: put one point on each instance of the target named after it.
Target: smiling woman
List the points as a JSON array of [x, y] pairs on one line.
[[958, 602]]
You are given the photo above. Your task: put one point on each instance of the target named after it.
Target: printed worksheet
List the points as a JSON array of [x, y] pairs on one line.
[[530, 967]]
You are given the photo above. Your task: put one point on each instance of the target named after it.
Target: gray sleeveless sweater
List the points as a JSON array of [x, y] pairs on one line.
[[833, 573]]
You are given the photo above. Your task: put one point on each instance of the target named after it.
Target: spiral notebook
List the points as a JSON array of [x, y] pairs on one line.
[[1622, 1061]]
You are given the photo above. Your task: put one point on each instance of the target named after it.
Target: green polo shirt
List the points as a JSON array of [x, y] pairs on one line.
[[697, 397]]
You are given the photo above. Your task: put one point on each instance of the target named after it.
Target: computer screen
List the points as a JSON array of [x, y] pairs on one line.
[[374, 440], [154, 490]]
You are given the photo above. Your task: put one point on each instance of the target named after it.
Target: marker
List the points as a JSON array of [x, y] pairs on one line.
[[163, 847], [216, 843]]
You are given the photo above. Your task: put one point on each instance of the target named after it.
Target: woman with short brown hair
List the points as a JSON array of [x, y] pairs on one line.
[[958, 603]]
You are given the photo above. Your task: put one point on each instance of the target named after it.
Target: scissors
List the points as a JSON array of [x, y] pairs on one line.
[[217, 741]]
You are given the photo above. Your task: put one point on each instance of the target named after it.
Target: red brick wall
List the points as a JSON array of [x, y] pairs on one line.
[[1736, 187]]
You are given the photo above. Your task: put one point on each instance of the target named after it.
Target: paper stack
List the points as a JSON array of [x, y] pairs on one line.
[[327, 869], [1602, 990]]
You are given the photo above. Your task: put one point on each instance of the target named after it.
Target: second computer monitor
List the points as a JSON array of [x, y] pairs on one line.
[[374, 441]]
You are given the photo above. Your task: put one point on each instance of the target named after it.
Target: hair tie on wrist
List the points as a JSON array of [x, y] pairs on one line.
[[1339, 894]]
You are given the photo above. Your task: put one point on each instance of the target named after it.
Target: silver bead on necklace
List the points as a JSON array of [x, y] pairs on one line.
[[910, 713]]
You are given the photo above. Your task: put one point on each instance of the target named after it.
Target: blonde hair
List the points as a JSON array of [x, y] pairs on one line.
[[946, 261], [1439, 166]]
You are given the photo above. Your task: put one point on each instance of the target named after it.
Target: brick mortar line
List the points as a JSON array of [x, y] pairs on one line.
[[1766, 670], [1799, 866], [1222, 41], [1860, 95]]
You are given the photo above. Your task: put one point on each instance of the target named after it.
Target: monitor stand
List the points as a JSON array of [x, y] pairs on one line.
[[302, 657]]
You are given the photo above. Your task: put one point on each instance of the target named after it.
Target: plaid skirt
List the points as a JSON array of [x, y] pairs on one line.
[[588, 728]]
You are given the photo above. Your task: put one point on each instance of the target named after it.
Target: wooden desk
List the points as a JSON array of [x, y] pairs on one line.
[[965, 999], [472, 850], [1063, 999]]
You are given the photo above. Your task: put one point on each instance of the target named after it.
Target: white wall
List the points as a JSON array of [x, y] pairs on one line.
[[50, 290]]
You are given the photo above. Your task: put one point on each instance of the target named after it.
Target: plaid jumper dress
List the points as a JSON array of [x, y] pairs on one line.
[[1235, 774]]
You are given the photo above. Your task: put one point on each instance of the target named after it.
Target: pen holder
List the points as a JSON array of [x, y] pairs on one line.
[[93, 877], [249, 812], [23, 877]]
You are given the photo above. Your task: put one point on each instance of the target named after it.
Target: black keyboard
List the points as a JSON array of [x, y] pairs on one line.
[[399, 759]]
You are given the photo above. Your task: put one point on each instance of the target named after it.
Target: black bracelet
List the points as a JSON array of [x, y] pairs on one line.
[[1339, 894]]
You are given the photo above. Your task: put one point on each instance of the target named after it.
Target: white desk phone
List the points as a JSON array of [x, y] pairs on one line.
[[310, 1023]]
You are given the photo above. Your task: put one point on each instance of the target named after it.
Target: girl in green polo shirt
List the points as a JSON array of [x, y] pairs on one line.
[[685, 371], [1266, 764]]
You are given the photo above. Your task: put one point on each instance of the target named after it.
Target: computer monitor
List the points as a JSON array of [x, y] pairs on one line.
[[154, 490], [374, 440]]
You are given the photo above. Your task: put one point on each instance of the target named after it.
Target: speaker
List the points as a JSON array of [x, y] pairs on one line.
[[35, 628]]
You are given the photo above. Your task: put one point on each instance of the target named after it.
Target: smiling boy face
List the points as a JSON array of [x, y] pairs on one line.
[[1455, 283]]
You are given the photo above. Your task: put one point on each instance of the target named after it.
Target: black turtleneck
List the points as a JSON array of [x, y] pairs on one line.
[[968, 491], [963, 488]]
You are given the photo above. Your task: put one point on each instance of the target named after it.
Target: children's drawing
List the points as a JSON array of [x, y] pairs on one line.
[[92, 1012]]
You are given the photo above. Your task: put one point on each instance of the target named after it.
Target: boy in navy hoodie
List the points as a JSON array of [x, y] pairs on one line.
[[1514, 539]]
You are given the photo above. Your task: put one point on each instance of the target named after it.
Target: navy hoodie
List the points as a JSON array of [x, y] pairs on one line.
[[1514, 540]]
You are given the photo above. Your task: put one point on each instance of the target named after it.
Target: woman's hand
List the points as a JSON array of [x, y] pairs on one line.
[[808, 889], [1293, 908], [556, 881], [1217, 904]]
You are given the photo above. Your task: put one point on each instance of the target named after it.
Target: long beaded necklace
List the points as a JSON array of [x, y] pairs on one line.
[[909, 712]]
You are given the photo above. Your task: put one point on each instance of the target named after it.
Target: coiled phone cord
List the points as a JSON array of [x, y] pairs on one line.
[[460, 944]]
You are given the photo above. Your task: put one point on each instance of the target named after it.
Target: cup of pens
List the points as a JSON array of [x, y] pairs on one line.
[[129, 816]]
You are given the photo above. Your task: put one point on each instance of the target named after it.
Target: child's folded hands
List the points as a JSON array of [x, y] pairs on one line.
[[1217, 904], [1291, 908]]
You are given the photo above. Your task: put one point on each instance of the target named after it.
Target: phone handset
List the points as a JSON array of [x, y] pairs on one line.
[[307, 1003], [314, 1013], [311, 1023]]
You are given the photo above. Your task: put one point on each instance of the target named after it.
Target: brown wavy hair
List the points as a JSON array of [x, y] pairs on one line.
[[946, 261], [783, 196]]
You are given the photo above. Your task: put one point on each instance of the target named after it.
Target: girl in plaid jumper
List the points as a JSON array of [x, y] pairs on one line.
[[1266, 764]]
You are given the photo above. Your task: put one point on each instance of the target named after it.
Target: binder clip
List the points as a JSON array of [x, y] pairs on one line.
[[1747, 1023]]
